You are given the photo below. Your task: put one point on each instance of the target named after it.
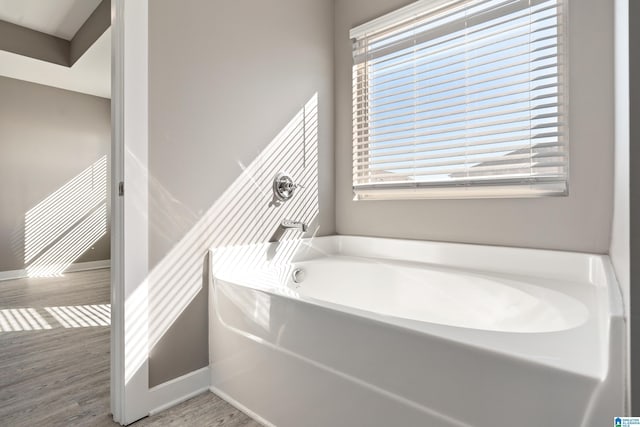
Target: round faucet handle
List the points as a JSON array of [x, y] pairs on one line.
[[284, 187]]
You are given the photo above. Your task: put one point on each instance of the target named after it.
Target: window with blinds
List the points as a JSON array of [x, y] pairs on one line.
[[461, 99]]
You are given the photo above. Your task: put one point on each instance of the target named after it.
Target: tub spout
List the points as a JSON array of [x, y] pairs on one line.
[[298, 225]]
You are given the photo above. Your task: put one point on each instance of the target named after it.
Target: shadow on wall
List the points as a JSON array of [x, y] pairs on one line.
[[245, 213], [59, 229]]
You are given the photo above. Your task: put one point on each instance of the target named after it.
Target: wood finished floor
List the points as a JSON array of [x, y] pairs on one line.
[[54, 359]]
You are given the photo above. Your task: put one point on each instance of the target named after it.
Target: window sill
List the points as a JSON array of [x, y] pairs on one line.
[[462, 192]]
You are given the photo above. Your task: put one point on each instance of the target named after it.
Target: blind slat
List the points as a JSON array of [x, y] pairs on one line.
[[451, 109], [495, 160], [386, 65], [518, 167], [422, 122], [391, 44], [482, 93], [462, 143], [419, 80], [453, 152], [456, 132], [361, 112], [472, 88]]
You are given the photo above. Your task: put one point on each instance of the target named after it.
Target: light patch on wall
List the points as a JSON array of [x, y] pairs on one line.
[[136, 341], [242, 215], [66, 223]]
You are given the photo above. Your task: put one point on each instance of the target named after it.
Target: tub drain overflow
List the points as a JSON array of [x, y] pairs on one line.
[[298, 275]]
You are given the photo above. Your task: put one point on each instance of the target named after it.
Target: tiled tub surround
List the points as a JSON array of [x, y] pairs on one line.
[[383, 332]]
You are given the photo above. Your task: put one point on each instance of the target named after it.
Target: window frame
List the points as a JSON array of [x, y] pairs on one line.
[[492, 187]]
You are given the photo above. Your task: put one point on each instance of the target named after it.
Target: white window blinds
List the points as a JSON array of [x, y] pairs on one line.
[[461, 97]]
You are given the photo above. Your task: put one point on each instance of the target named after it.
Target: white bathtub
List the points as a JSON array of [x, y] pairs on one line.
[[385, 332]]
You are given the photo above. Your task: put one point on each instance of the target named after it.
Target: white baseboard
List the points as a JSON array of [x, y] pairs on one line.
[[12, 274], [178, 390], [79, 266], [89, 265], [241, 407]]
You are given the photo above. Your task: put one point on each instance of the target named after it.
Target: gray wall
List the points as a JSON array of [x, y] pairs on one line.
[[48, 136], [579, 222], [27, 42], [44, 47], [225, 78], [97, 23]]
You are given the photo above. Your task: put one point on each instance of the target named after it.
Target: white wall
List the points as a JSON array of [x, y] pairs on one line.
[[620, 231], [579, 222]]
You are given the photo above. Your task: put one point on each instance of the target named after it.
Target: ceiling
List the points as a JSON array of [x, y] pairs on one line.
[[91, 74], [60, 18]]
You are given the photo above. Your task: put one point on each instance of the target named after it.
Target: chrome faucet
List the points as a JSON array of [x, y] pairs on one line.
[[298, 225]]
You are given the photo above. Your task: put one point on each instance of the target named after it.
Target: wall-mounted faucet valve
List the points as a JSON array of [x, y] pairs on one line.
[[284, 187]]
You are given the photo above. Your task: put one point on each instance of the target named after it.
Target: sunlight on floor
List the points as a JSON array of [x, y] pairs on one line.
[[22, 319], [81, 316], [38, 319]]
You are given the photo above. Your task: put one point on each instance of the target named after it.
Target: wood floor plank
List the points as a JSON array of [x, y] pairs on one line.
[[60, 376]]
